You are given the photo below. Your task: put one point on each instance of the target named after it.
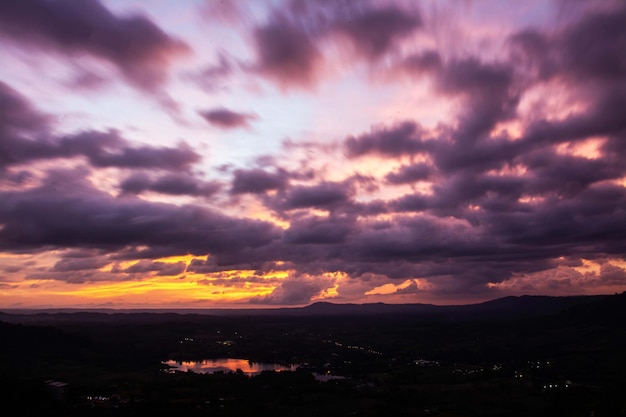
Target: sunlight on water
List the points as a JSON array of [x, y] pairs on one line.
[[210, 366]]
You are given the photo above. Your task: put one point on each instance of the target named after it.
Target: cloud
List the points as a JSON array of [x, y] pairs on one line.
[[139, 49], [258, 181], [318, 230], [172, 184], [79, 264], [589, 47], [422, 63], [409, 174], [102, 149], [286, 54], [403, 139], [565, 278], [17, 115], [295, 290], [374, 32], [79, 216], [227, 119], [323, 195], [488, 92], [512, 189], [412, 288], [146, 266], [291, 47], [26, 136], [213, 77]]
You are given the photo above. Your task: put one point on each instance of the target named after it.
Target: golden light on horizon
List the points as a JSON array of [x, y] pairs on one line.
[[223, 287], [166, 290]]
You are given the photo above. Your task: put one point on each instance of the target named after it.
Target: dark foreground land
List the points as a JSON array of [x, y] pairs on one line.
[[525, 356]]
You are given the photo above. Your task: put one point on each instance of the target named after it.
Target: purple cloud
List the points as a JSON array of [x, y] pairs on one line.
[[227, 119], [323, 195], [318, 230], [374, 32], [426, 62], [286, 54], [258, 181], [410, 173], [172, 184], [488, 91], [25, 136], [79, 216], [102, 149], [404, 139], [146, 266], [134, 44], [79, 264], [294, 290], [17, 115], [290, 48]]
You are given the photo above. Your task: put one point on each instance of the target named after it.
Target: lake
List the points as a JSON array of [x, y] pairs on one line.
[[210, 366]]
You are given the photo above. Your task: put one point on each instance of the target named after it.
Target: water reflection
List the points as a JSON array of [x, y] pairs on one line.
[[210, 366]]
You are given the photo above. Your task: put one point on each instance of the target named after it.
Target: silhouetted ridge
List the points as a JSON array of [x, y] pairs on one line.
[[497, 309], [609, 310]]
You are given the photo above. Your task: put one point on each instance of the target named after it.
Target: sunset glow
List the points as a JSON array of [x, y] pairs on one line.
[[278, 153]]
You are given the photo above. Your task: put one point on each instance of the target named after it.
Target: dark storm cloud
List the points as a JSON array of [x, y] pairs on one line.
[[102, 149], [414, 239], [25, 136], [323, 195], [294, 290], [172, 184], [227, 119], [17, 115], [565, 174], [132, 157], [290, 48], [79, 264], [588, 55], [200, 266], [559, 207], [405, 138], [134, 44], [602, 118], [594, 46], [286, 54], [66, 212], [213, 265], [318, 230], [145, 266], [590, 48], [590, 223], [258, 181], [374, 32], [409, 173], [488, 91]]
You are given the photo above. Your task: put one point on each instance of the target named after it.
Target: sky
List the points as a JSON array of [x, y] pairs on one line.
[[208, 154]]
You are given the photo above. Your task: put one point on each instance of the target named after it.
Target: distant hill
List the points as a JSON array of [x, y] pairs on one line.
[[501, 308], [498, 309]]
